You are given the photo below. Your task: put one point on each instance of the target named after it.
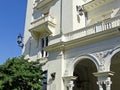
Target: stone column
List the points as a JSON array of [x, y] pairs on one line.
[[100, 85], [70, 85], [104, 80], [108, 83]]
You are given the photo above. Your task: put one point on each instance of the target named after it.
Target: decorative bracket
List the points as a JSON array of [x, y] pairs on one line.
[[79, 10]]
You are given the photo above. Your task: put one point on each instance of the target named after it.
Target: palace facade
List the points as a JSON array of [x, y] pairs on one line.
[[77, 41]]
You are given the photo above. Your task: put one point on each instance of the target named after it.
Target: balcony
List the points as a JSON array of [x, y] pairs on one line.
[[44, 25], [95, 4], [41, 3], [103, 27], [100, 31]]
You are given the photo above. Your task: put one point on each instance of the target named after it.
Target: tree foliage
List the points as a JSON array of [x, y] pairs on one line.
[[19, 74]]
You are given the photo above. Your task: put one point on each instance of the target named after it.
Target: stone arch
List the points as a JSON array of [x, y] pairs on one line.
[[114, 66], [110, 55], [115, 51], [83, 69], [72, 64]]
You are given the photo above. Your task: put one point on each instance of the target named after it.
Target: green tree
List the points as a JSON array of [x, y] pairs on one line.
[[19, 74]]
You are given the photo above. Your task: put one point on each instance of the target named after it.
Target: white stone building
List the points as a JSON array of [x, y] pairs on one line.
[[78, 41]]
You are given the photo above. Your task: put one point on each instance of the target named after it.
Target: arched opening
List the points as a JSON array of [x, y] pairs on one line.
[[115, 67], [84, 72]]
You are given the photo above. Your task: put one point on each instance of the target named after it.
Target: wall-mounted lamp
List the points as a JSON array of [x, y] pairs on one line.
[[53, 75], [19, 41], [79, 10]]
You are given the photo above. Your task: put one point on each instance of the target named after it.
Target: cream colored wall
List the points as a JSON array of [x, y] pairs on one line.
[[67, 25], [55, 12], [27, 34], [55, 65], [31, 46], [78, 21]]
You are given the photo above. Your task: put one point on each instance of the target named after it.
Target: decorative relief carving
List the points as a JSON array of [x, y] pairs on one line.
[[102, 55], [108, 83], [100, 82], [101, 68], [104, 83], [70, 84]]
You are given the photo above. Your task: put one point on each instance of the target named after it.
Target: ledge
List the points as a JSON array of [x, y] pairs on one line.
[[89, 39], [44, 25], [104, 74]]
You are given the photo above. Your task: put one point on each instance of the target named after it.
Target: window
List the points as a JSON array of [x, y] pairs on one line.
[[44, 43], [42, 51], [45, 73]]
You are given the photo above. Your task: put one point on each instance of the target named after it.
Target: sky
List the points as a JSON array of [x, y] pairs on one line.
[[12, 21]]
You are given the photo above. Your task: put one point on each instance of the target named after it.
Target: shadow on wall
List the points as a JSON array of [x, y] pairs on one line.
[[31, 47]]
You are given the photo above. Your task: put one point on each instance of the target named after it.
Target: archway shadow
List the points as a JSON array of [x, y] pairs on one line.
[[84, 72], [115, 67]]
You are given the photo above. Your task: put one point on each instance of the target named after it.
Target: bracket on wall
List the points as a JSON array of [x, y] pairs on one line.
[[79, 10], [53, 75]]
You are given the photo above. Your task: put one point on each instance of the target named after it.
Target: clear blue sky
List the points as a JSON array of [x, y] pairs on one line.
[[12, 19]]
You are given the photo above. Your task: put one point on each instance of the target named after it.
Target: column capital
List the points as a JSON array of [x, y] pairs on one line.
[[69, 78], [100, 82], [104, 80], [108, 81], [70, 84], [104, 74], [69, 81]]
